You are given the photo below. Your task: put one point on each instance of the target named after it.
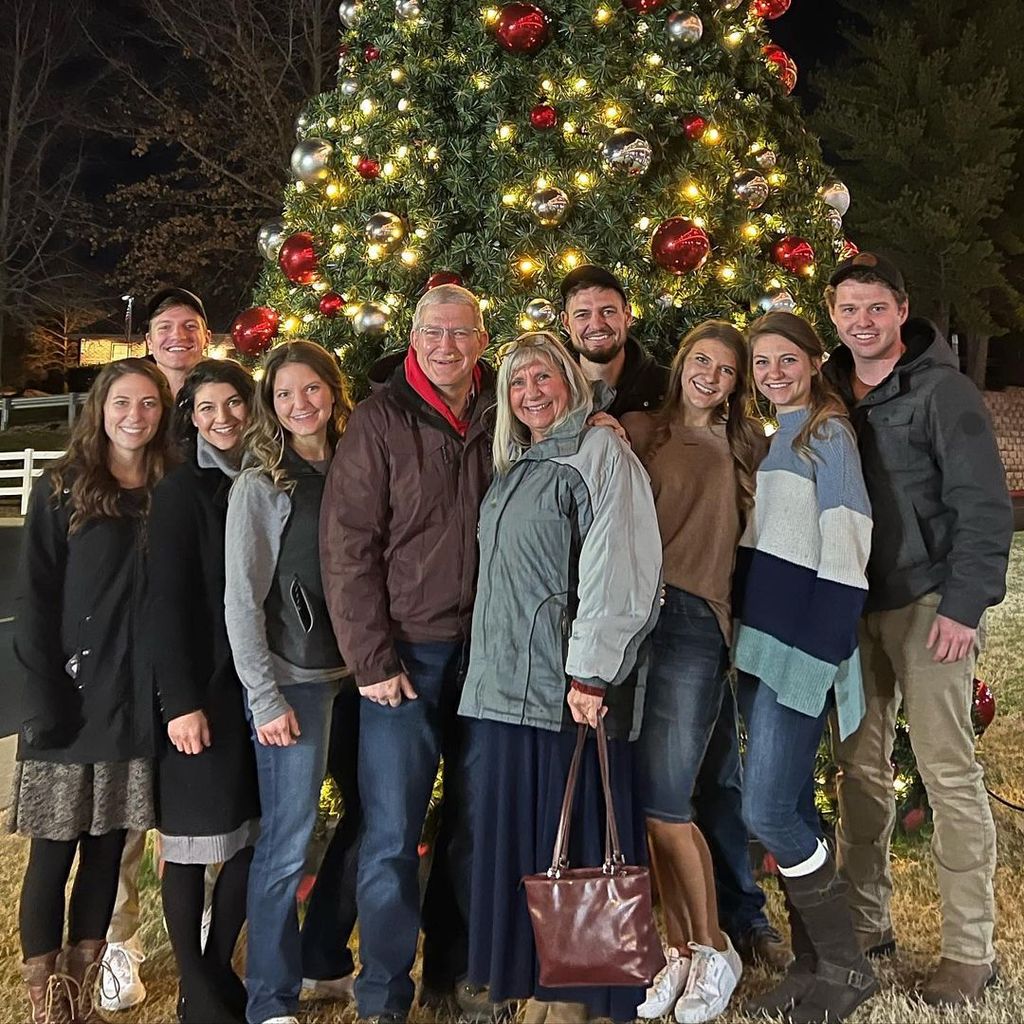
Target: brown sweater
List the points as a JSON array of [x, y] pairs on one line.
[[695, 494]]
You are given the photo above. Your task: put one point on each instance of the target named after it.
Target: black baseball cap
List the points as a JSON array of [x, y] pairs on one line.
[[590, 276], [882, 268], [181, 297]]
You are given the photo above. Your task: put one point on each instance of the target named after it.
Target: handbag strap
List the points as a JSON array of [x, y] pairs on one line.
[[612, 843], [560, 854]]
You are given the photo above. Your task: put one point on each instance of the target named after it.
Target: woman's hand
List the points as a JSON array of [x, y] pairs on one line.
[[189, 733], [602, 419], [585, 708], [283, 731]]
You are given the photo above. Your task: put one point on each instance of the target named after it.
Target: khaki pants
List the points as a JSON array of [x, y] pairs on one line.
[[124, 922], [936, 700]]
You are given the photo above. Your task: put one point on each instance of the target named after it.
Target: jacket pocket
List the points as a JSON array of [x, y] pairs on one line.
[[891, 431]]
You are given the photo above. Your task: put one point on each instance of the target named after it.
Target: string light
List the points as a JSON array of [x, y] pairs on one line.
[[397, 74], [643, 223], [409, 257], [712, 136], [611, 114], [374, 251], [727, 273], [300, 186], [568, 128], [691, 190], [584, 179], [290, 325], [333, 190], [308, 318], [776, 179], [480, 80], [602, 16], [571, 259], [581, 85], [366, 106], [527, 266], [490, 15], [547, 85], [734, 37], [388, 170], [510, 198], [655, 60], [750, 231], [505, 132]]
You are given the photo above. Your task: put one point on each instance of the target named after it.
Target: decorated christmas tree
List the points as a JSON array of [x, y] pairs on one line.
[[500, 146]]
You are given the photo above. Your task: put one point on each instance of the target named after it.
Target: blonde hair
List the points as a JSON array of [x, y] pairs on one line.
[[264, 437], [511, 437]]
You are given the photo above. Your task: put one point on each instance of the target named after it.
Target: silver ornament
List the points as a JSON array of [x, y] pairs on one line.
[[540, 312], [683, 28], [549, 206], [349, 13], [765, 159], [371, 319], [665, 300], [751, 187], [349, 86], [385, 228], [777, 301], [311, 160], [837, 195], [834, 220], [269, 239], [301, 124], [627, 152], [408, 10]]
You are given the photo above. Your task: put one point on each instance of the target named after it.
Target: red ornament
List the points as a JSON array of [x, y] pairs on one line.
[[254, 329], [442, 277], [679, 246], [297, 258], [522, 28], [642, 6], [694, 126], [371, 53], [782, 64], [543, 116], [368, 168], [330, 304], [794, 254], [343, 51], [769, 9], [983, 709], [847, 250]]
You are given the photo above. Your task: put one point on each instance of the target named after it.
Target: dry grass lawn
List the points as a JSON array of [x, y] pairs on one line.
[[915, 909]]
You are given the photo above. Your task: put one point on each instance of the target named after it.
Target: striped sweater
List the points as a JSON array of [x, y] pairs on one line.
[[800, 583]]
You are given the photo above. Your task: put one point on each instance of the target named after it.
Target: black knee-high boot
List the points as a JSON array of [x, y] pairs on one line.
[[228, 916], [843, 976]]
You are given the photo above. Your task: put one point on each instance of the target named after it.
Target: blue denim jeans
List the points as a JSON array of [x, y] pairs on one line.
[[399, 751], [778, 777], [290, 779]]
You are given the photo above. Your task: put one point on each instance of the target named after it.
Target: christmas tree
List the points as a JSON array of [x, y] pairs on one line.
[[499, 147]]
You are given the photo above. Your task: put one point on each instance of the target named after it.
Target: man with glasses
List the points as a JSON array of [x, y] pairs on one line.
[[399, 557]]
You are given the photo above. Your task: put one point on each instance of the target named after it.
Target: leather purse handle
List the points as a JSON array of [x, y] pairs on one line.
[[612, 845]]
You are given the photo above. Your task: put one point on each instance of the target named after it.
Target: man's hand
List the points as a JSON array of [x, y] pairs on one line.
[[283, 731], [391, 691], [189, 733], [585, 708], [602, 419], [950, 640]]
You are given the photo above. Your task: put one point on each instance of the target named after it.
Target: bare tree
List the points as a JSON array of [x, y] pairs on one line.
[[40, 157], [61, 317]]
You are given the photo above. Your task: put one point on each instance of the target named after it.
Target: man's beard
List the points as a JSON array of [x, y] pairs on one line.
[[602, 356]]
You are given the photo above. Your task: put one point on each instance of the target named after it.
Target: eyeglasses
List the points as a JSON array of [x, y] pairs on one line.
[[457, 334]]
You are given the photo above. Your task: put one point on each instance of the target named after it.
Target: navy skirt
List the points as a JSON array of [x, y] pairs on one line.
[[517, 777]]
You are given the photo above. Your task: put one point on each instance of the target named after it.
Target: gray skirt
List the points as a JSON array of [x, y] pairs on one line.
[[61, 801]]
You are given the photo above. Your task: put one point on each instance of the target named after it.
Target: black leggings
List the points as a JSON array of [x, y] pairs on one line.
[[41, 914]]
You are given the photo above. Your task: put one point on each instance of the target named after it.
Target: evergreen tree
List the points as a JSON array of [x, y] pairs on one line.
[[924, 116], [502, 146]]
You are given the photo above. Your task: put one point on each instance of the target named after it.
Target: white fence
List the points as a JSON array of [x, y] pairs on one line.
[[70, 402], [25, 466]]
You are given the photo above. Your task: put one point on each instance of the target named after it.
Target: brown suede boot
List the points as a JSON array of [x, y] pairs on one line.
[[954, 983], [81, 962], [50, 994], [538, 1012]]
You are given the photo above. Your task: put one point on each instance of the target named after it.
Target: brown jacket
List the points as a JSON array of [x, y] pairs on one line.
[[398, 526]]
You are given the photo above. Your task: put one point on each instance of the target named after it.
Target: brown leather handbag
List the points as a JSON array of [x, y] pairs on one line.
[[593, 926]]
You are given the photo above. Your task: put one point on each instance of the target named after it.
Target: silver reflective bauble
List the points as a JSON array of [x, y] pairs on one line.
[[408, 10], [834, 220], [777, 301], [371, 319], [269, 239], [627, 152], [765, 159], [751, 187], [349, 13], [540, 312], [384, 228], [549, 206], [683, 28], [837, 195], [665, 300], [349, 86], [311, 160]]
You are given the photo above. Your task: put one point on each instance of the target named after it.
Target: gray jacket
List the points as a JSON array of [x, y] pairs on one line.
[[570, 576], [943, 521]]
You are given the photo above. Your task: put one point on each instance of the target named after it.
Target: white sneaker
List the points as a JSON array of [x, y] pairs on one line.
[[668, 985], [337, 989], [121, 987], [281, 1020], [713, 977]]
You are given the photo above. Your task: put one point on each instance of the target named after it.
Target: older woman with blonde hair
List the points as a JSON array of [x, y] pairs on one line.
[[570, 572]]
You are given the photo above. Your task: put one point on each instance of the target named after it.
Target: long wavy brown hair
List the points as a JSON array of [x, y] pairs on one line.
[[85, 468], [824, 403], [264, 437], [741, 430]]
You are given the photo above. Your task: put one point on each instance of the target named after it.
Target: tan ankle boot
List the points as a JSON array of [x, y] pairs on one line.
[[81, 963], [51, 995], [538, 1012], [954, 983]]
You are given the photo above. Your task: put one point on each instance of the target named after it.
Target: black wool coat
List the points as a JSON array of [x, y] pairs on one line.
[[189, 660]]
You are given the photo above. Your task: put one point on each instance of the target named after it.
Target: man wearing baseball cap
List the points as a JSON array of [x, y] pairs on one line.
[[178, 334], [597, 317], [943, 524]]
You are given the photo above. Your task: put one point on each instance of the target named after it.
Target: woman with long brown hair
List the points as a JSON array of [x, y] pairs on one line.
[[701, 450], [85, 772], [283, 644]]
